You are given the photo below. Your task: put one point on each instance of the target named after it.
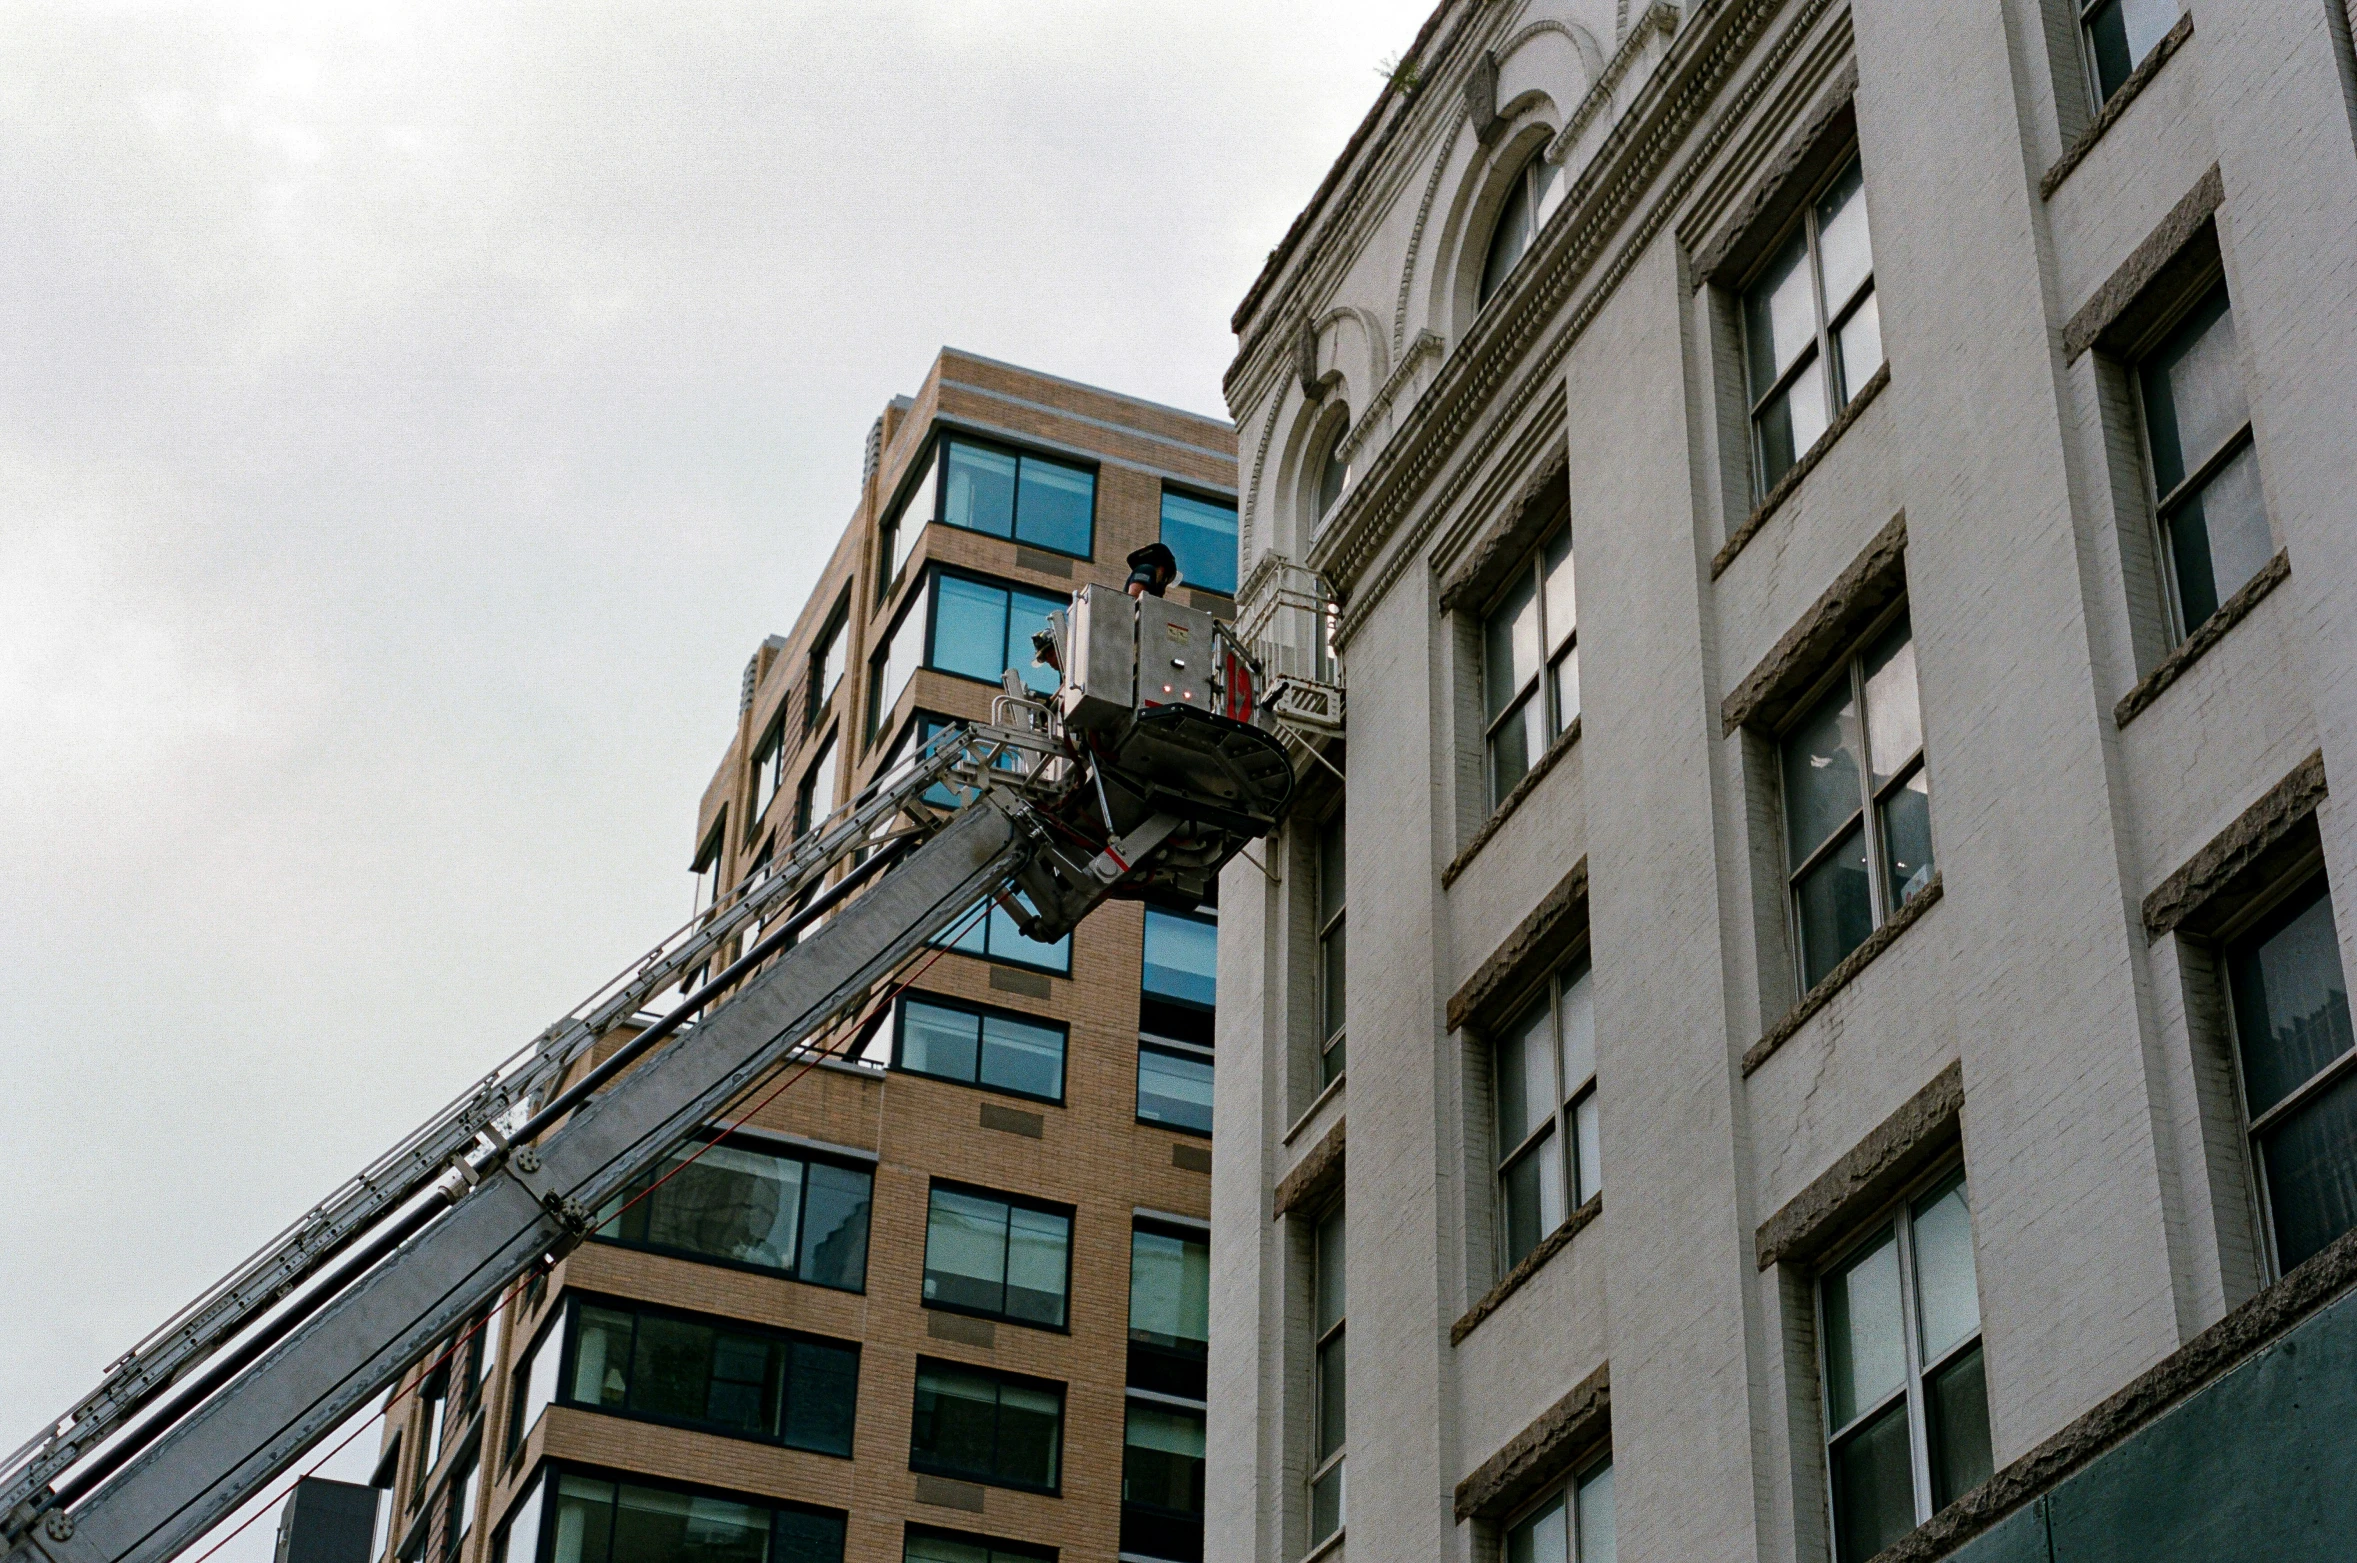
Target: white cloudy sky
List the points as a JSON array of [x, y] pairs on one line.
[[410, 418]]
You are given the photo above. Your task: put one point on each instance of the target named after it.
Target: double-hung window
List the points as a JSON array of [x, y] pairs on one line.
[[769, 772], [2205, 475], [1177, 1003], [998, 1256], [713, 1375], [589, 1519], [1530, 664], [1857, 803], [964, 625], [741, 1204], [1572, 1524], [1906, 1397], [1031, 499], [1201, 535], [1547, 1122], [1530, 200], [997, 1049], [987, 1427], [817, 797], [1162, 1447], [1812, 329], [2299, 1071], [1329, 1407], [2119, 34], [1333, 973]]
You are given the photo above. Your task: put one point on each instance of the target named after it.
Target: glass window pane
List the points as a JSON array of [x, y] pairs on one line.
[[1945, 1292], [804, 1537], [1873, 1487], [1509, 238], [1859, 340], [1526, 1075], [2219, 539], [1333, 1400], [2291, 1001], [969, 628], [1162, 1458], [1565, 686], [1906, 833], [1325, 1504], [730, 1203], [939, 1041], [997, 935], [956, 1421], [1169, 1289], [2120, 33], [1039, 1249], [671, 1369], [1202, 537], [2311, 1164], [1182, 956], [1174, 1089], [1956, 1410], [1030, 1435], [601, 1359], [1780, 315], [822, 1402], [1512, 747], [1865, 1349], [1055, 506], [966, 1251], [923, 1548], [1587, 1149], [1835, 907], [1333, 983], [891, 671], [1533, 1196], [651, 1526], [981, 496], [747, 1382], [1333, 1061], [835, 1228], [1562, 604], [1599, 1538], [1843, 248], [1017, 1056], [1511, 644], [1778, 449], [1821, 766], [2193, 392], [1579, 1028], [1330, 868], [1894, 722], [584, 1521], [1547, 189], [1027, 616], [1332, 1293], [913, 517], [1333, 470], [1541, 1537]]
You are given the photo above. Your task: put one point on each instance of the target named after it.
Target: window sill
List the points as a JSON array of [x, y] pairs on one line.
[[2207, 634], [1327, 1548], [1514, 800], [1799, 471], [1531, 1263], [1842, 975], [941, 1473], [2138, 79], [1333, 1089]]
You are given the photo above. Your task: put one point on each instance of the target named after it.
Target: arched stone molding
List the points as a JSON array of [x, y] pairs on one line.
[[1251, 496], [1310, 429], [1453, 280], [1374, 360], [1407, 274]]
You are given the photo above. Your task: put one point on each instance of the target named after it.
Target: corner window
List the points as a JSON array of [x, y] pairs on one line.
[[817, 798], [1547, 1132], [2205, 475], [1333, 968], [1333, 466], [989, 930], [1906, 1399], [2291, 1026], [707, 868], [965, 625], [792, 1215], [1201, 534], [769, 773], [1169, 1309], [388, 1471], [1029, 499], [895, 663], [826, 667], [639, 1522], [1573, 1524], [1812, 329], [1328, 1404], [1530, 664], [1857, 803], [997, 1256], [925, 1544], [987, 1427], [2119, 34], [975, 1046], [518, 1538], [532, 1387], [1532, 198], [1162, 1482], [714, 1375]]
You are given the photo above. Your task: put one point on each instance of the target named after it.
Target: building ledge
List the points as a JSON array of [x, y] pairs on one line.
[[2138, 80], [1333, 1088], [2208, 633], [2223, 859], [1842, 975], [1553, 1243], [1514, 800], [1541, 1452], [1319, 1174], [1798, 473]]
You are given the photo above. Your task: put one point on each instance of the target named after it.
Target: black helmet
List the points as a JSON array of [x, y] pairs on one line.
[[1154, 567]]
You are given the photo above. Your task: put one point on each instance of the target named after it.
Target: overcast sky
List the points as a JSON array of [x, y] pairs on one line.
[[410, 419]]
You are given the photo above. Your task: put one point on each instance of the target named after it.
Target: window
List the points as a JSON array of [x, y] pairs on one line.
[[924, 1544], [2119, 34], [1530, 664], [1812, 327], [967, 626], [975, 1046], [2205, 475], [518, 1538], [817, 798], [899, 532], [1174, 1087], [532, 1387], [1857, 803], [987, 1427], [434, 1396], [922, 728], [2291, 1023], [993, 935], [826, 667], [1332, 973], [1546, 1103], [712, 1375], [892, 667], [1000, 1257], [1530, 201], [1201, 534], [793, 1215], [459, 1516], [1901, 1338], [1169, 1309], [1573, 1524], [769, 772], [1162, 1482], [707, 868], [388, 1471], [1033, 500], [479, 1354], [599, 1521], [1327, 1401], [1333, 465], [1177, 1003]]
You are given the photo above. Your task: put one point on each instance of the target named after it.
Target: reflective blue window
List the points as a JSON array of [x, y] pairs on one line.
[[974, 1046], [1030, 499], [995, 937], [1181, 981], [1202, 536], [980, 629]]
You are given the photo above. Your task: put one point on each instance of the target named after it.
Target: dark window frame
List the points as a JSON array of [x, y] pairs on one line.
[[770, 1148], [2084, 24], [551, 1470], [1558, 665], [1201, 496], [1539, 198], [1014, 1202], [1330, 927], [807, 811], [1020, 1551], [1186, 1051], [974, 578], [1191, 1359], [935, 458], [985, 1012], [1002, 1378], [768, 754], [830, 636], [1831, 317], [519, 1378]]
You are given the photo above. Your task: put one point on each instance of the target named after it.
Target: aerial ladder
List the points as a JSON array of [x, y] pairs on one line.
[[1139, 777]]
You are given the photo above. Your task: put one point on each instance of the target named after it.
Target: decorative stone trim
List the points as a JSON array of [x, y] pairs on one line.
[[2286, 806], [2212, 630], [1371, 417], [1318, 1175], [1659, 17], [1535, 507], [1778, 193], [1901, 1146], [2138, 79], [1841, 976], [1522, 789], [1798, 472], [1540, 1452], [2176, 1378], [1536, 938], [948, 1493], [1528, 1265], [1012, 1120], [2143, 267], [1872, 582]]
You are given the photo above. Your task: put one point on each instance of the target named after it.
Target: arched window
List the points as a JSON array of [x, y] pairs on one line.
[[1334, 471], [1529, 203]]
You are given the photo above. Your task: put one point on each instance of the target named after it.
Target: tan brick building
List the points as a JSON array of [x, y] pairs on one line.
[[945, 1299]]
